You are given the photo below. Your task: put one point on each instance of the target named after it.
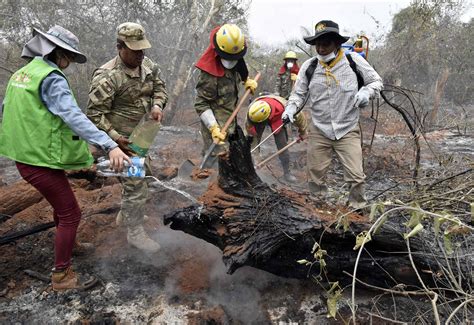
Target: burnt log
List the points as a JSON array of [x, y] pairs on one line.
[[256, 225]]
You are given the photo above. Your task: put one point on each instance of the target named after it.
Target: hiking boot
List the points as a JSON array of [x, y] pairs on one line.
[[64, 279], [67, 279], [318, 190], [83, 248], [119, 219], [289, 177], [137, 237], [356, 199]]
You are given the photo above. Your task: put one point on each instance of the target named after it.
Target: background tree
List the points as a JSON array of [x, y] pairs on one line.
[[178, 31]]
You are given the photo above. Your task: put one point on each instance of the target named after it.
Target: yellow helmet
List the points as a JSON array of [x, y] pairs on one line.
[[290, 55], [259, 111], [229, 42]]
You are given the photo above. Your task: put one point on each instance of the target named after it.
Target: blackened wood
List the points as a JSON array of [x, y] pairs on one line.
[[255, 225]]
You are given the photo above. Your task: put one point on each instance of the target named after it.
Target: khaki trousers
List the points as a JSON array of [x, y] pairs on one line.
[[349, 151]]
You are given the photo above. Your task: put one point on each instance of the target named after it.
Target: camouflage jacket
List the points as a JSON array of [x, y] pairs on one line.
[[119, 96], [220, 94], [284, 84]]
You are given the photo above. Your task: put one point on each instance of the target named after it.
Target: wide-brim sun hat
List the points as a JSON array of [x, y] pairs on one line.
[[64, 39], [325, 27]]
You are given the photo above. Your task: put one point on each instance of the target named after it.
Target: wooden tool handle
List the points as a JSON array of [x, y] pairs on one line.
[[277, 153], [239, 106]]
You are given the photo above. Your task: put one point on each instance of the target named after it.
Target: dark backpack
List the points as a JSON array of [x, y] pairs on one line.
[[312, 66]]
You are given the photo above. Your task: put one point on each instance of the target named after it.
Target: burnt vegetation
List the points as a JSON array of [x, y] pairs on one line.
[[408, 258]]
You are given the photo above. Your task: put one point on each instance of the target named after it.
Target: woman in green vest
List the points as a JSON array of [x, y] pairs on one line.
[[45, 132]]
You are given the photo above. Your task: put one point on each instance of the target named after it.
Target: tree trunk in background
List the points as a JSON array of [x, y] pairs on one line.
[[189, 55], [439, 90]]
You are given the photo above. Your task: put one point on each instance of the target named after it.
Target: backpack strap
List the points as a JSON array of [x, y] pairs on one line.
[[310, 70], [360, 79]]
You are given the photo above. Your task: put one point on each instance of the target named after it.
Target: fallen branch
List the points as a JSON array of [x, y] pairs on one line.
[[45, 226]]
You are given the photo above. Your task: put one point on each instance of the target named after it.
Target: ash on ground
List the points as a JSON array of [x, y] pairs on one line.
[[186, 281]]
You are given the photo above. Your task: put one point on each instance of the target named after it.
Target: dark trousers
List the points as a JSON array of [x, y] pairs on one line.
[[281, 140], [54, 186]]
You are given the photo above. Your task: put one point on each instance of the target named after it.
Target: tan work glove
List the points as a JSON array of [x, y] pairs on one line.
[[251, 85], [217, 135], [293, 76]]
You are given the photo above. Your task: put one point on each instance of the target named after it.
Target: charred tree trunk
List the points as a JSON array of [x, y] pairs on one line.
[[258, 226]]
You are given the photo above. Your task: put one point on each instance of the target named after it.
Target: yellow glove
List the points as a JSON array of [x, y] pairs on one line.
[[251, 84], [293, 76], [217, 135]]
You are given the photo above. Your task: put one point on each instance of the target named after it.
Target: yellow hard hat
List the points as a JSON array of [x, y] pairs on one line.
[[290, 55], [259, 111], [229, 42]]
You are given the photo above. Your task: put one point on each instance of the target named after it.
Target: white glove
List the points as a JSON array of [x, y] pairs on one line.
[[361, 99], [208, 118], [289, 113]]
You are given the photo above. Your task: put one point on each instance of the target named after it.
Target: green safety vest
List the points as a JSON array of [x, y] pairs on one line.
[[30, 133]]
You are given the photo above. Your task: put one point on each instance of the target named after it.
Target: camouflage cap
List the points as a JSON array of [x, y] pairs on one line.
[[133, 35]]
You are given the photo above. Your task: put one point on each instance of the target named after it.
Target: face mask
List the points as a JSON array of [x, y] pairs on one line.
[[326, 58], [229, 64], [289, 65]]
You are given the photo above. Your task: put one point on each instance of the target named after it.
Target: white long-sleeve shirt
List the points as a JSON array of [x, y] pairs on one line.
[[331, 103]]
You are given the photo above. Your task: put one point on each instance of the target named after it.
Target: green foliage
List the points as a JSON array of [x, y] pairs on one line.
[[361, 239], [416, 229], [344, 222], [334, 295]]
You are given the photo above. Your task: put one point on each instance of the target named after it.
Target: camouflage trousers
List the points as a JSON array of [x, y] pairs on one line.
[[134, 196]]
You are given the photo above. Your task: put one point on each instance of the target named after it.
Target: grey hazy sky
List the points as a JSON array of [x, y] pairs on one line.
[[275, 21]]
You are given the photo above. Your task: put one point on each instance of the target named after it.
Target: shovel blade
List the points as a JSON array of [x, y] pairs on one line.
[[206, 156], [185, 169]]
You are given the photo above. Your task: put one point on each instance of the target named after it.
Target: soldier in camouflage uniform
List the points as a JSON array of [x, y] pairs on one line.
[[267, 110], [122, 91], [222, 71], [287, 75]]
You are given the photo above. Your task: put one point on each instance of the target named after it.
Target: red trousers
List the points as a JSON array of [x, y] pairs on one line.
[[54, 186]]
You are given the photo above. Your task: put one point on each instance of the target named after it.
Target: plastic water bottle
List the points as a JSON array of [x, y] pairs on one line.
[[136, 169], [143, 135]]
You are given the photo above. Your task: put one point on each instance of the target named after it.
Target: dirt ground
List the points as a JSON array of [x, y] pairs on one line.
[[185, 282]]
